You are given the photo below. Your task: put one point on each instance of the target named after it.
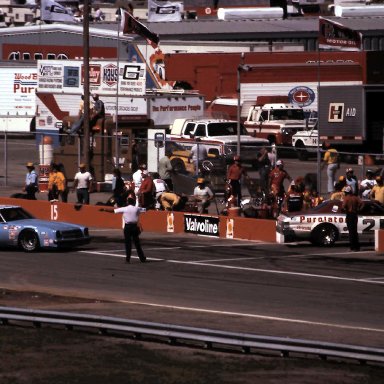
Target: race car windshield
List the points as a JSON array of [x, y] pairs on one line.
[[14, 214]]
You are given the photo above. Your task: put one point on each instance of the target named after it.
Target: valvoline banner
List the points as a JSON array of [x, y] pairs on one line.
[[201, 225]]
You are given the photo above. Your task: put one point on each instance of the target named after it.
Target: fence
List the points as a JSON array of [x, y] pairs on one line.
[[18, 149]]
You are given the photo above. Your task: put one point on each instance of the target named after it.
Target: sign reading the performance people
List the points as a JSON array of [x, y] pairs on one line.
[[105, 77], [201, 225]]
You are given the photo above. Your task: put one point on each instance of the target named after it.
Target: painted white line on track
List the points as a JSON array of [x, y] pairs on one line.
[[249, 269], [277, 272], [254, 316]]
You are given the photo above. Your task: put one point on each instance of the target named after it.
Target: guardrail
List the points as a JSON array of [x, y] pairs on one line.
[[208, 338]]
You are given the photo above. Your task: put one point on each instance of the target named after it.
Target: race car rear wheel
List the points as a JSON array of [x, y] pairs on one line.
[[325, 235], [28, 241]]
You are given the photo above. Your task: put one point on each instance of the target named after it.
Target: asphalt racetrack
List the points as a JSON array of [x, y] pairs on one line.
[[297, 290]]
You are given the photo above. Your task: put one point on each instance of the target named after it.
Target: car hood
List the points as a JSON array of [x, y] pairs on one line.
[[55, 225], [244, 139]]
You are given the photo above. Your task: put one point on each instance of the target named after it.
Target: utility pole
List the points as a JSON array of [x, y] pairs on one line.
[[86, 138]]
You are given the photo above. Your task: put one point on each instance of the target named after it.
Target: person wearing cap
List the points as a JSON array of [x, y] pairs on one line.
[[146, 191], [198, 154], [352, 204], [203, 195], [31, 182], [367, 184], [98, 110], [351, 180], [276, 179], [377, 192], [82, 184], [234, 175], [332, 162], [132, 229]]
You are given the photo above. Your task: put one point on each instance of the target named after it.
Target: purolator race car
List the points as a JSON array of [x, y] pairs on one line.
[[325, 224], [18, 228]]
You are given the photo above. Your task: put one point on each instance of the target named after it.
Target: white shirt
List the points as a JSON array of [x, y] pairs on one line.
[[365, 183], [137, 177], [130, 213], [160, 185], [83, 179], [203, 193]]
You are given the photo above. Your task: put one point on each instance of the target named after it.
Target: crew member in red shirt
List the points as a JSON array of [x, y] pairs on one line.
[[146, 191], [276, 179], [234, 174]]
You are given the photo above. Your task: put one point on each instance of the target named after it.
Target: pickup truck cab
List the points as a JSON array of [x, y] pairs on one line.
[[219, 136]]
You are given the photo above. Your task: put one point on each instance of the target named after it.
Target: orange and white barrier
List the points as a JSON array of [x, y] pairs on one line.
[[152, 221]]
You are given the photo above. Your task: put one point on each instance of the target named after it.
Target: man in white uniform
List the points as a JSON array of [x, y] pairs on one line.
[[83, 185], [203, 195]]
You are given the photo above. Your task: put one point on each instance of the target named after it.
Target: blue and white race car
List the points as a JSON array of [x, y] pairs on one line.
[[18, 228], [325, 224]]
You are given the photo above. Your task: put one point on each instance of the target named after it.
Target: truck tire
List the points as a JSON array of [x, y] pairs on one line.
[[302, 153]]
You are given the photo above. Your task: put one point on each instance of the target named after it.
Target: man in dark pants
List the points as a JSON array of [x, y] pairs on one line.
[[131, 228], [352, 204]]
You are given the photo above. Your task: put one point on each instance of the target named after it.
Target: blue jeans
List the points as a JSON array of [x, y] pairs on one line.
[[331, 173]]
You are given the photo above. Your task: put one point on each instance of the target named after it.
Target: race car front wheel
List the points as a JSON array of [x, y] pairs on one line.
[[28, 241], [324, 235]]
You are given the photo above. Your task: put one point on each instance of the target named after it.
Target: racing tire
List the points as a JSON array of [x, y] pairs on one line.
[[324, 235], [29, 241], [178, 165]]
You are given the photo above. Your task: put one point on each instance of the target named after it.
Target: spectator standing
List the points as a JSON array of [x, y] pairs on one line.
[[131, 228], [146, 191], [83, 184], [98, 111], [264, 164], [352, 204], [56, 184], [351, 180], [234, 175], [135, 156], [203, 194], [166, 169], [198, 154], [118, 188], [331, 161], [367, 184], [31, 185], [377, 192]]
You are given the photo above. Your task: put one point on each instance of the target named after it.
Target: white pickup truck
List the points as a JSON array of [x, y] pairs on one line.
[[219, 136]]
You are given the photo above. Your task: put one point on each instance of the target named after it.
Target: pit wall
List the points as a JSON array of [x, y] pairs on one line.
[[151, 221]]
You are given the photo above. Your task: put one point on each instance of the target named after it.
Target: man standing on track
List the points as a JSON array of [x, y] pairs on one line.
[[352, 204]]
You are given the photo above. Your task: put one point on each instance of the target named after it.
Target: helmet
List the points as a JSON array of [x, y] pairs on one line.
[[279, 162], [236, 158]]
